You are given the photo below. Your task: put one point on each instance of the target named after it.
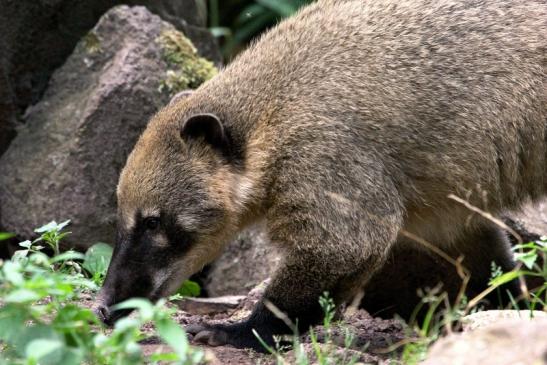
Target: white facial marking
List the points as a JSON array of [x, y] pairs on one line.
[[150, 212], [243, 190], [129, 221], [188, 221]]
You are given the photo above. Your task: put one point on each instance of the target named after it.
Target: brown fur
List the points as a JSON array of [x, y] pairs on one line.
[[347, 123]]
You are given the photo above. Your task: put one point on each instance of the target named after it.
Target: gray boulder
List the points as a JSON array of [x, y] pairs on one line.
[[246, 262], [65, 161], [488, 318], [37, 36], [506, 342]]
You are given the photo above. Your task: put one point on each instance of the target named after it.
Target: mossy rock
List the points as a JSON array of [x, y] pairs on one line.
[[187, 70]]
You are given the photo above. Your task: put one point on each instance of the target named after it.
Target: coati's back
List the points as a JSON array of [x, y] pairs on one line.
[[451, 94]]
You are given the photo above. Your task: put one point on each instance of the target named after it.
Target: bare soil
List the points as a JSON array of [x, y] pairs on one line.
[[375, 340]]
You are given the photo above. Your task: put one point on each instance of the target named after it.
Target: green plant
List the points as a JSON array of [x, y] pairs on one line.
[[6, 236], [442, 316], [50, 236], [96, 261], [532, 259], [122, 342], [255, 17], [322, 352], [437, 314], [41, 321], [189, 289], [37, 321]]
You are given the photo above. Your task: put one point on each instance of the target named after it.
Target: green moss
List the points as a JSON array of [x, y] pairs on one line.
[[187, 70], [92, 43]]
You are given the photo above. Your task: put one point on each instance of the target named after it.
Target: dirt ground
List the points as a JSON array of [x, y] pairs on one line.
[[375, 340]]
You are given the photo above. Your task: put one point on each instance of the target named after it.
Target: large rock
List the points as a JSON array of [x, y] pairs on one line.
[[488, 318], [246, 262], [65, 161], [8, 120], [37, 36], [507, 342]]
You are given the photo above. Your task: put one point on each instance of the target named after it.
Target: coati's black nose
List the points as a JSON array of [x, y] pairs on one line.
[[104, 314], [107, 315]]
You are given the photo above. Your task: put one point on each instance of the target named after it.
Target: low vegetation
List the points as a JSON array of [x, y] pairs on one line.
[[43, 319], [443, 317], [237, 22]]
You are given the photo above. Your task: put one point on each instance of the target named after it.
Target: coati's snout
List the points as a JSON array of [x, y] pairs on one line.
[[171, 222], [144, 264]]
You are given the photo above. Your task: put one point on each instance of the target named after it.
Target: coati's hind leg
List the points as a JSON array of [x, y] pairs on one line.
[[485, 246], [334, 240], [386, 294]]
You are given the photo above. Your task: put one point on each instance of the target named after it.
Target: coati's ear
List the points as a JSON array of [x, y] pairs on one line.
[[207, 126]]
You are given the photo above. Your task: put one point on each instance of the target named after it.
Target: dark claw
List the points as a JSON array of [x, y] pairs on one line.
[[208, 335]]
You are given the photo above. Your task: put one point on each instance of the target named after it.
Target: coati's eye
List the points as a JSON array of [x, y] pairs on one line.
[[152, 223]]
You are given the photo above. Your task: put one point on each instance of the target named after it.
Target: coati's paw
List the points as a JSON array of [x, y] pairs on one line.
[[208, 335], [239, 335]]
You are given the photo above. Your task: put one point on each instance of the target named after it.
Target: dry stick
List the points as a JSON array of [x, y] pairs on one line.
[[354, 306], [280, 315], [462, 271], [486, 215], [504, 226], [433, 248]]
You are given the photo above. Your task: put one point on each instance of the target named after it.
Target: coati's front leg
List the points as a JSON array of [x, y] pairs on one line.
[[334, 240]]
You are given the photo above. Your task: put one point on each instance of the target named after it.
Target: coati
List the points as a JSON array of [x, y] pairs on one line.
[[341, 127]]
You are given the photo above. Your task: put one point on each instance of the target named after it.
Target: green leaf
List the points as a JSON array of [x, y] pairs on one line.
[[6, 236], [12, 322], [165, 358], [133, 350], [12, 272], [51, 226], [66, 256], [19, 255], [42, 347], [31, 333], [39, 258], [74, 317], [527, 258], [126, 323], [253, 26], [144, 306], [26, 244], [189, 289], [22, 296], [72, 356], [504, 278], [283, 8], [174, 335], [62, 225], [220, 32], [97, 258]]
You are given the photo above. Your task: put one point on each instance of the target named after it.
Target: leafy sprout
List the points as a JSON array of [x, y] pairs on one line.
[[41, 322]]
